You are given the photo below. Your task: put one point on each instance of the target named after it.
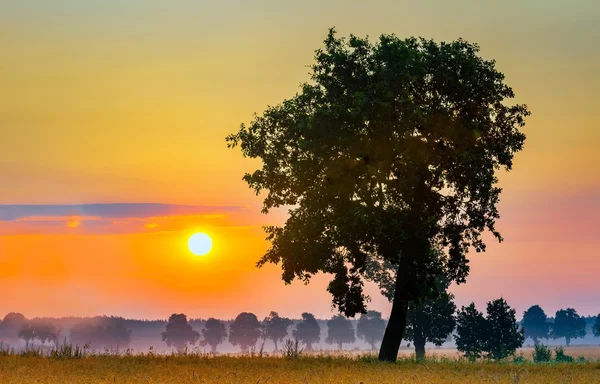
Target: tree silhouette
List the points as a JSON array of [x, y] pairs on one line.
[[535, 324], [308, 331], [430, 320], [179, 332], [390, 152], [245, 331], [115, 333], [471, 329], [340, 331], [275, 327], [568, 324], [370, 328], [12, 323], [503, 336], [41, 330], [214, 333], [596, 326]]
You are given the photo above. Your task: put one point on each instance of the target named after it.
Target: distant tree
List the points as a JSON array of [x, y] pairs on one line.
[[275, 327], [471, 331], [214, 333], [568, 324], [391, 150], [116, 334], [370, 328], [108, 332], [245, 331], [10, 326], [535, 324], [596, 326], [503, 336], [87, 333], [340, 331], [27, 333], [308, 331], [430, 320], [179, 332]]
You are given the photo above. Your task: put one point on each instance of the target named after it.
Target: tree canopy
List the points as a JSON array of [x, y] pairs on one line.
[[568, 324], [390, 151], [503, 336], [340, 331], [214, 333], [535, 324], [370, 328], [179, 333], [308, 331], [245, 331], [471, 329]]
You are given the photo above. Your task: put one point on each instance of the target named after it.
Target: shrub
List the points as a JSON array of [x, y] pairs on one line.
[[542, 353], [561, 357]]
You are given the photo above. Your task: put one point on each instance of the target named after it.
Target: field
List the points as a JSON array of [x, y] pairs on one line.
[[277, 370]]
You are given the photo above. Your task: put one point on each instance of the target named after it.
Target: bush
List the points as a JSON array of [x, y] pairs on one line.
[[291, 349], [542, 353], [561, 357]]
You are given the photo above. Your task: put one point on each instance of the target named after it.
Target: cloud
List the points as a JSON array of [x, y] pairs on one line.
[[108, 211]]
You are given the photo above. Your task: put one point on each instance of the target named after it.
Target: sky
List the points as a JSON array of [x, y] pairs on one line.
[[113, 116]]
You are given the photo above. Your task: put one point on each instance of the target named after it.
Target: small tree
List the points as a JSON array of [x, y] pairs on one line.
[[596, 326], [471, 329], [370, 328], [245, 331], [568, 324], [431, 320], [11, 325], [179, 332], [275, 327], [535, 324], [214, 333], [503, 334], [40, 330], [116, 334], [308, 331], [340, 331]]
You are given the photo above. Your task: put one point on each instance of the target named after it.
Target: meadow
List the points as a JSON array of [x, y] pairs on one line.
[[255, 369]]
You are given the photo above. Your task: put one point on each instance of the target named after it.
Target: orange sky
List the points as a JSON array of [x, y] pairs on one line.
[[130, 101]]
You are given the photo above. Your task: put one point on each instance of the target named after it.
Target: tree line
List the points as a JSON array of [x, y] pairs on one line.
[[495, 335]]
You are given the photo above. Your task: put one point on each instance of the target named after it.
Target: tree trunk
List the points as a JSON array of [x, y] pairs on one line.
[[568, 340], [419, 345], [309, 347], [340, 346], [394, 331], [214, 348], [275, 341]]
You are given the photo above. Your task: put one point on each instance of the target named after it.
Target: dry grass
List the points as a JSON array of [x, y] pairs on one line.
[[256, 370]]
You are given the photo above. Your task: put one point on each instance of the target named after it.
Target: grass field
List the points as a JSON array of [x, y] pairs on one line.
[[273, 370]]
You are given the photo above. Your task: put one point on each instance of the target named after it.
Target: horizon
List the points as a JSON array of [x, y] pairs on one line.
[[113, 120]]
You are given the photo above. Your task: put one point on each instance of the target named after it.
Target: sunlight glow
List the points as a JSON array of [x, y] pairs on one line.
[[200, 244]]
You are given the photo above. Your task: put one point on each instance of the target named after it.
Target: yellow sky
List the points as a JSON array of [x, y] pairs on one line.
[[130, 101]]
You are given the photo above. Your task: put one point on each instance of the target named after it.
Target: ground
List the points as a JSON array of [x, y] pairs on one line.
[[278, 370]]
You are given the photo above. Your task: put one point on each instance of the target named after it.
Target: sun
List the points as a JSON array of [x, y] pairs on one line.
[[200, 244]]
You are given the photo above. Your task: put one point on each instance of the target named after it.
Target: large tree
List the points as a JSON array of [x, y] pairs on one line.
[[390, 151], [179, 332], [503, 335], [430, 320], [214, 333], [245, 331], [535, 324], [370, 328], [276, 327], [596, 326], [568, 324], [340, 331], [308, 331]]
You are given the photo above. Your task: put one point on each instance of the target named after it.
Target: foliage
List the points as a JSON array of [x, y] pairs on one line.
[[11, 325], [308, 331], [568, 324], [560, 356], [431, 320], [596, 326], [503, 334], [535, 324], [541, 353], [40, 330], [389, 152], [179, 332], [245, 331], [275, 327], [471, 332], [370, 327], [214, 333], [104, 332], [292, 349], [340, 331]]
